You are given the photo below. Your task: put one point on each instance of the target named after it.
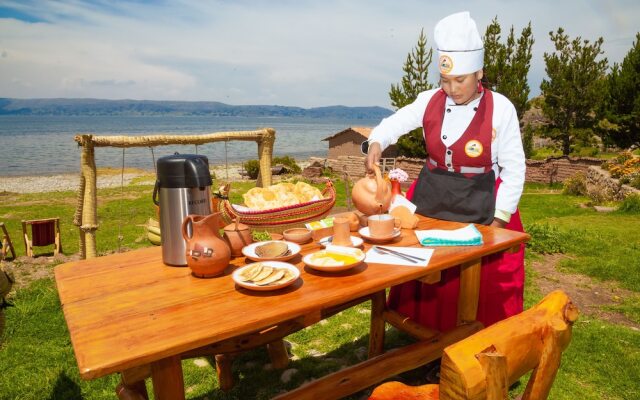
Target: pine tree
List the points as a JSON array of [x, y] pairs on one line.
[[414, 81], [574, 89], [506, 65], [623, 102]]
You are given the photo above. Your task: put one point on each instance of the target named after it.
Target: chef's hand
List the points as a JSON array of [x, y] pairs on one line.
[[498, 223], [373, 156]]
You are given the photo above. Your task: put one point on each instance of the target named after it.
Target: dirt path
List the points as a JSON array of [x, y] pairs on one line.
[[592, 297]]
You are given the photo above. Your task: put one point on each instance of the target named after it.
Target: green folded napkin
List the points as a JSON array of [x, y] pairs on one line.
[[467, 236]]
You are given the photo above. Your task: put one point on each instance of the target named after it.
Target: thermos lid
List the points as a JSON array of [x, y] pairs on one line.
[[183, 171]]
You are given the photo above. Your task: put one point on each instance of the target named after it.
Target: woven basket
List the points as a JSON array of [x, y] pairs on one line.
[[280, 219]]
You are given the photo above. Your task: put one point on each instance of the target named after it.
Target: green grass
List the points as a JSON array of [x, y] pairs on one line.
[[602, 362]]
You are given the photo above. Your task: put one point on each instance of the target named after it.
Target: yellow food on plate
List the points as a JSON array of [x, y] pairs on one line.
[[327, 258], [280, 195]]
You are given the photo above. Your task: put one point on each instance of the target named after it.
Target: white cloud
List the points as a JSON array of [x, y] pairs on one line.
[[304, 53]]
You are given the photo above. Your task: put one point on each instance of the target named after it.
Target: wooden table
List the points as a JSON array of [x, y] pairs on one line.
[[129, 310]]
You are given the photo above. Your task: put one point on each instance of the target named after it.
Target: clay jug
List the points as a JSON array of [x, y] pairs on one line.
[[372, 194], [207, 253], [237, 236]]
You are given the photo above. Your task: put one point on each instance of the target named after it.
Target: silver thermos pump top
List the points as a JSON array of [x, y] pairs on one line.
[[182, 188]]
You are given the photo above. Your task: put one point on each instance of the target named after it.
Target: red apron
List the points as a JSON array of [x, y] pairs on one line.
[[502, 275]]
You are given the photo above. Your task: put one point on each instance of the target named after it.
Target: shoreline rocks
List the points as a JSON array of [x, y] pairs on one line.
[[71, 181]]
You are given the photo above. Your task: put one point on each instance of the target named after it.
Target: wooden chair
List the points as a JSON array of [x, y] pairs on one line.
[[44, 232], [484, 365], [7, 246]]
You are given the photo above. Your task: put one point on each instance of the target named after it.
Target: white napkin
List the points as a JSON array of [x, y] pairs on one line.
[[467, 236], [402, 201], [373, 256]]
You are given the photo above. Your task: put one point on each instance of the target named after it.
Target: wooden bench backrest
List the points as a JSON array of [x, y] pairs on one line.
[[485, 364]]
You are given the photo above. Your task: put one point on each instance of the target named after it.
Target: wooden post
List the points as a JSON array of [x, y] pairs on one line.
[[265, 152], [90, 197]]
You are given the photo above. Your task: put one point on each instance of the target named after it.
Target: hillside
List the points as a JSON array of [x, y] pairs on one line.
[[10, 106]]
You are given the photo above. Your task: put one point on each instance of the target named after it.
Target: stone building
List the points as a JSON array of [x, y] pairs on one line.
[[347, 143]]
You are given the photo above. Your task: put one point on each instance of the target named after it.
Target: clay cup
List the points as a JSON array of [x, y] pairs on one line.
[[382, 225], [341, 232]]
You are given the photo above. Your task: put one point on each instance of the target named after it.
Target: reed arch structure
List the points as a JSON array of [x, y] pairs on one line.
[[86, 215]]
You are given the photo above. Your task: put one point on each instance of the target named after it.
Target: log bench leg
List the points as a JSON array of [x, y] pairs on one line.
[[278, 354]]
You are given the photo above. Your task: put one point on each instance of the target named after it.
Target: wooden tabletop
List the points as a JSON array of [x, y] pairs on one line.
[[129, 309]]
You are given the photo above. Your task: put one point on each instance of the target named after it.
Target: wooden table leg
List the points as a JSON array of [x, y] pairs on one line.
[[469, 291], [376, 332], [168, 382], [224, 372]]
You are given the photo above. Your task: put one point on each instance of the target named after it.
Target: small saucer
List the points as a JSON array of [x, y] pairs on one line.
[[364, 232], [355, 241]]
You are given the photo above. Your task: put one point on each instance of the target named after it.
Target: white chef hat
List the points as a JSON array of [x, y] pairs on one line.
[[460, 48]]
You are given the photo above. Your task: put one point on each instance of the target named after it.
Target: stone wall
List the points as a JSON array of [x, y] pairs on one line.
[[551, 170], [601, 186], [558, 169]]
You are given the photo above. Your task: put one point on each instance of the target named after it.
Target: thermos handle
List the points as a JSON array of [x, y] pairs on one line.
[[155, 193], [185, 224]]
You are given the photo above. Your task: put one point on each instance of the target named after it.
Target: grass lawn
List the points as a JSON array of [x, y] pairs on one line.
[[602, 362]]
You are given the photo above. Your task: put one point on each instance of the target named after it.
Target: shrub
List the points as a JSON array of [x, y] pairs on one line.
[[288, 162], [631, 204], [622, 165], [253, 168], [575, 185], [548, 239]]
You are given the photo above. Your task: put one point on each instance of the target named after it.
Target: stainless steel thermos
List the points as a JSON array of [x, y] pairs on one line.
[[182, 187]]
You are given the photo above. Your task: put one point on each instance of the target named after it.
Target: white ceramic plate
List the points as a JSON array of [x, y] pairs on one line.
[[359, 254], [275, 264], [355, 241], [250, 251], [364, 232]]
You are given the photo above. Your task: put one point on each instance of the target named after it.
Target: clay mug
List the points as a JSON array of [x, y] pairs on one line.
[[382, 225], [207, 253], [341, 232], [237, 236]]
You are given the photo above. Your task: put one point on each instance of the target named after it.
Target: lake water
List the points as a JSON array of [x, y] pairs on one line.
[[44, 145]]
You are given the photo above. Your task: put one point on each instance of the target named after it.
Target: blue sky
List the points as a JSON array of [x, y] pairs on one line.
[[285, 52]]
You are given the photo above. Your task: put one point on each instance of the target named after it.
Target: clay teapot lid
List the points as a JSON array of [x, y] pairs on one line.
[[236, 226]]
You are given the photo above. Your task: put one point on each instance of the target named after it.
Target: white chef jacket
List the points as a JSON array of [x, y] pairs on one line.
[[506, 147]]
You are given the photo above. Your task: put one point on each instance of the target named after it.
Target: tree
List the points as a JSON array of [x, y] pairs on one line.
[[414, 81], [574, 89], [506, 66], [622, 108]]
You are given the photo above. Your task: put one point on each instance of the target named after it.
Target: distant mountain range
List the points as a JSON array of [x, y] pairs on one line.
[[10, 106]]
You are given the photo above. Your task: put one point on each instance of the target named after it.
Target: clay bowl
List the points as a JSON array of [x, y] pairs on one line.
[[297, 235], [276, 236]]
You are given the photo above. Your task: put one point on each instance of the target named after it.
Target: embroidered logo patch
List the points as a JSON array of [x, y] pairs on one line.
[[473, 148], [446, 64]]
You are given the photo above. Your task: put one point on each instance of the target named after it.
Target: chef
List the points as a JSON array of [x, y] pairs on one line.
[[474, 173]]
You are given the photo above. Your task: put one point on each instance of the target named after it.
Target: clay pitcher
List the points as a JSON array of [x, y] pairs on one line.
[[207, 253], [372, 194], [237, 236]]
